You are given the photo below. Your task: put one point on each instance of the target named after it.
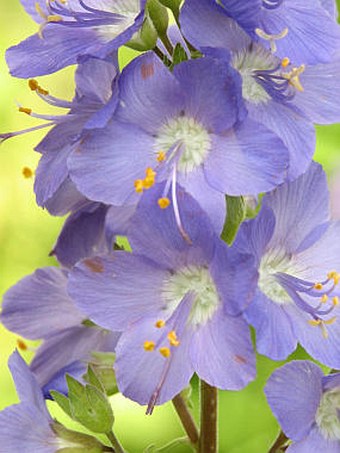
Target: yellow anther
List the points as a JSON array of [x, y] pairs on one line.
[[324, 298], [331, 274], [149, 345], [330, 321], [336, 279], [22, 345], [148, 182], [293, 77], [160, 323], [165, 352], [164, 202], [161, 156], [139, 185], [25, 110], [54, 18], [150, 173], [285, 62], [27, 172], [318, 286], [315, 322], [33, 84], [172, 337]]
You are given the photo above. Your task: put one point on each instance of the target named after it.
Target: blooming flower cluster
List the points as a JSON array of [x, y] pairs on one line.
[[217, 110]]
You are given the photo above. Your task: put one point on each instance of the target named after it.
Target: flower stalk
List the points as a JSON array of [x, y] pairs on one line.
[[209, 404], [186, 419]]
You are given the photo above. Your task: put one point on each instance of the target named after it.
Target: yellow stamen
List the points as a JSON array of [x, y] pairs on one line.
[[324, 298], [33, 84], [293, 77], [161, 156], [318, 286], [148, 182], [160, 323], [330, 321], [27, 172], [314, 322], [54, 18], [172, 337], [25, 110], [165, 352], [336, 279], [335, 301], [22, 345], [139, 185], [285, 62], [40, 11], [150, 173], [164, 202], [331, 274], [149, 345]]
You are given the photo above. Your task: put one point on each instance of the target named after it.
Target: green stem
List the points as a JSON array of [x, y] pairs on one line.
[[279, 443], [209, 402], [115, 443], [186, 419]]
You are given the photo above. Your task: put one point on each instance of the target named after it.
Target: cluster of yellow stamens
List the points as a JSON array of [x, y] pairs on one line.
[[165, 351], [293, 77], [147, 182]]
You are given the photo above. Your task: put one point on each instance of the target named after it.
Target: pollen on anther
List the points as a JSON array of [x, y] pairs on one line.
[[335, 301], [318, 286], [324, 298], [315, 322], [165, 352], [172, 337], [161, 156], [25, 110], [27, 172], [22, 345], [285, 62], [149, 345], [163, 202], [139, 185], [160, 323]]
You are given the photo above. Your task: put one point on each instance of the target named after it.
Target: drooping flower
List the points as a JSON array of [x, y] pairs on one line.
[[282, 94], [171, 298], [28, 426], [297, 251], [307, 405], [71, 30], [305, 31], [38, 307], [187, 127]]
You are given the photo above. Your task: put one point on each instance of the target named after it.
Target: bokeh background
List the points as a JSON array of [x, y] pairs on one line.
[[27, 234]]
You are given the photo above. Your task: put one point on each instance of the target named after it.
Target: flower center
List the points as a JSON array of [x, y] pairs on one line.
[[198, 280], [271, 263], [327, 416], [188, 138]]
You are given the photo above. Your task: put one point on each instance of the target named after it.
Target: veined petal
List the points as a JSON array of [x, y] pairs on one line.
[[314, 441]]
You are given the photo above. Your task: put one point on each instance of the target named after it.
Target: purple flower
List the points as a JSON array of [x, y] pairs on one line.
[[187, 127], [38, 307], [72, 30], [303, 31], [282, 94], [307, 406], [171, 299], [27, 426], [297, 251]]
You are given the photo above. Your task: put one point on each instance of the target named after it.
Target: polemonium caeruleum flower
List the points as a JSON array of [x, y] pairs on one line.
[[307, 406], [171, 298], [73, 29], [285, 96], [188, 127], [297, 250], [305, 31], [95, 100], [38, 307]]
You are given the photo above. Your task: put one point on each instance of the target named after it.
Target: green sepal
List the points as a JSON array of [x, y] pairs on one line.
[[89, 406], [92, 378], [146, 38], [62, 401], [174, 5], [76, 442], [236, 213], [159, 17], [102, 365], [179, 55]]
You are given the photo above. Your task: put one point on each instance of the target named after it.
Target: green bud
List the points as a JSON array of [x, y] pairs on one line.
[[89, 406], [145, 38], [236, 213]]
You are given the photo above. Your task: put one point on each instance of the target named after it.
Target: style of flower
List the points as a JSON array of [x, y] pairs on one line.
[[185, 127], [38, 307], [71, 30], [170, 298], [283, 94], [307, 405], [303, 30], [297, 251]]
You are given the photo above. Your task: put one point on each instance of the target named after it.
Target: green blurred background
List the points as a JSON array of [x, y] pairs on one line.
[[27, 234]]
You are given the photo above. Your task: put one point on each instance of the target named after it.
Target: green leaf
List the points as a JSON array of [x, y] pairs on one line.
[[62, 402], [92, 378], [179, 55], [145, 38], [159, 16], [236, 212], [174, 5]]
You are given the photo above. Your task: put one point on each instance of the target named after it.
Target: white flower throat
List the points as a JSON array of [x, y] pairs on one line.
[[327, 416]]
